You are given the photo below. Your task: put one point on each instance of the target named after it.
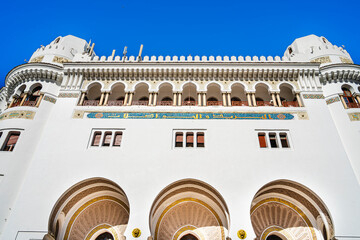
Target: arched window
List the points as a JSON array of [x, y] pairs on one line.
[[349, 100]]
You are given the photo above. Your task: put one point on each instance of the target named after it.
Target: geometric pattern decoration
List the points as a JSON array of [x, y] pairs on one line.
[[313, 96], [49, 99], [322, 60], [68, 95], [192, 212], [190, 115], [353, 116], [332, 100], [18, 114]]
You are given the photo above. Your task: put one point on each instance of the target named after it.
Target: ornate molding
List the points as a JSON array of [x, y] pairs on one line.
[[332, 100], [313, 96], [354, 116], [49, 99], [18, 114]]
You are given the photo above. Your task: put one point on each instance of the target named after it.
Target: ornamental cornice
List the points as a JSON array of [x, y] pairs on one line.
[[33, 71], [340, 73], [248, 71]]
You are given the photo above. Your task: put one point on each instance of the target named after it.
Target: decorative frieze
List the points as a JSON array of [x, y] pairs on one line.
[[60, 59], [346, 60], [50, 99], [188, 115], [68, 95], [332, 100], [322, 60], [37, 59], [313, 96], [18, 114]]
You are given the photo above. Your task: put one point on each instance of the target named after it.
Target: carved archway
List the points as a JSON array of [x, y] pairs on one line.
[[189, 207], [89, 210], [288, 210]]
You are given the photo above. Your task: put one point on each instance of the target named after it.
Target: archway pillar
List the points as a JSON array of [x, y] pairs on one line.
[[179, 99], [174, 99], [106, 98], [254, 99], [229, 98], [82, 98], [23, 99], [199, 99], [131, 95], [204, 99], [101, 99], [224, 99], [248, 95], [126, 98], [150, 99], [39, 99], [299, 100], [12, 102], [274, 99], [278, 99], [155, 98]]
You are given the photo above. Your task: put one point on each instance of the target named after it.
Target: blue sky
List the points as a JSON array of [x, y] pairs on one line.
[[196, 27]]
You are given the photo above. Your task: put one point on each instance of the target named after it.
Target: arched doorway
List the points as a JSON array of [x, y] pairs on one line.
[[284, 209], [189, 237], [95, 208], [189, 210]]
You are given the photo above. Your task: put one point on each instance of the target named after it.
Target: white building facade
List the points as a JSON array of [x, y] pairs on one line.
[[181, 148]]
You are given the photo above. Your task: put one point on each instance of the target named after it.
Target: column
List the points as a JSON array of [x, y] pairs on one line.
[[174, 99], [155, 99], [12, 101], [150, 99], [249, 99], [224, 99], [254, 99], [274, 99], [23, 99], [82, 98], [278, 98], [199, 99], [229, 99], [179, 99], [343, 101], [130, 98], [299, 100], [126, 98], [39, 100], [204, 99], [106, 98], [101, 99], [358, 99]]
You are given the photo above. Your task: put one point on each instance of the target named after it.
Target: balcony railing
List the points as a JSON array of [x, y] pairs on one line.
[[214, 103], [165, 103], [189, 103], [264, 103], [353, 105], [290, 104], [30, 103], [91, 102], [239, 103], [115, 103], [140, 103]]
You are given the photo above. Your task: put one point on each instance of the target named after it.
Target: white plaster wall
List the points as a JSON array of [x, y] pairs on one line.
[[231, 162]]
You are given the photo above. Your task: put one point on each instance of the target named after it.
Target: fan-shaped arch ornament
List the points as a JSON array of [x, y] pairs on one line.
[[189, 207], [88, 209], [289, 209]]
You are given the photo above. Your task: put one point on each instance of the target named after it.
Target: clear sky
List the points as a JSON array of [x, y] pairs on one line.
[[172, 27]]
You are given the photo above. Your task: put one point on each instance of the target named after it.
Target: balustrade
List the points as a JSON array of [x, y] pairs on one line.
[[353, 105], [29, 103], [165, 103], [140, 103], [189, 103], [264, 103], [290, 104], [239, 103], [91, 102], [214, 103], [115, 103]]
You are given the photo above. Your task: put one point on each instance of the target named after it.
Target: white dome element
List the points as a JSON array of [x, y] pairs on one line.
[[316, 49], [62, 49]]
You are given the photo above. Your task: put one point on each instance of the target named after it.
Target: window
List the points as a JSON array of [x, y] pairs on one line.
[[179, 139], [189, 139], [262, 140], [284, 141], [117, 139], [106, 138], [273, 142], [200, 139], [192, 139], [11, 141], [273, 138]]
